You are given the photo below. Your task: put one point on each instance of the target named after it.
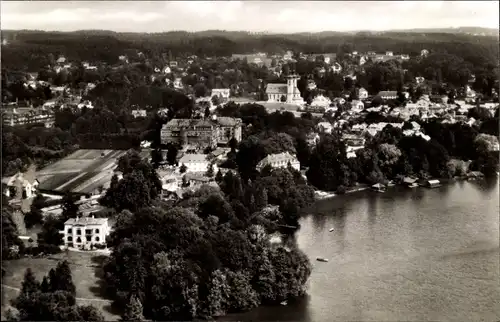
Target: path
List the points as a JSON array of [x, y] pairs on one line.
[[78, 298]]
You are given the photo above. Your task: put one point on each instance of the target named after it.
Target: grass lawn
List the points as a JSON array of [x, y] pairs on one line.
[[85, 267]]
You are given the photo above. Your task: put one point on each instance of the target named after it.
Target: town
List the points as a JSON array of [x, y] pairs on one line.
[[250, 139]]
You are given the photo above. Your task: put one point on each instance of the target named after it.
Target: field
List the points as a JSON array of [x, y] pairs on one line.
[[81, 172], [86, 269]]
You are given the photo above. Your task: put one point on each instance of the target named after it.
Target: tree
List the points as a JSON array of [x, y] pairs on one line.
[[30, 284], [172, 151], [219, 177], [210, 170], [233, 144], [207, 112], [69, 207], [50, 233], [183, 168], [133, 310], [216, 101], [61, 279], [156, 157]]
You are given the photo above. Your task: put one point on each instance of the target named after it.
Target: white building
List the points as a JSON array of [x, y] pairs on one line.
[[288, 92], [221, 92], [362, 93], [279, 160], [87, 104], [18, 183], [357, 106], [321, 101], [336, 68], [178, 83], [196, 163], [83, 232]]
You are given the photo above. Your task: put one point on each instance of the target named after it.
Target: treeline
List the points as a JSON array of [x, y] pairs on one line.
[[31, 49]]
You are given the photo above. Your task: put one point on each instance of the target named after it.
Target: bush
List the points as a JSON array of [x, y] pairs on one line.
[[341, 190]]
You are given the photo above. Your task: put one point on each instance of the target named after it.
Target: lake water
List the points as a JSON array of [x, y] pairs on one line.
[[403, 255]]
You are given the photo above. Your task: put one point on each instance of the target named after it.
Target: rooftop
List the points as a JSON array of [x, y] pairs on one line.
[[187, 158], [273, 88], [86, 221]]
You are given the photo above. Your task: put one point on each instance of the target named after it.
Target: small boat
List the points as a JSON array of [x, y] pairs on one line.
[[413, 185], [284, 303], [331, 229], [321, 259]]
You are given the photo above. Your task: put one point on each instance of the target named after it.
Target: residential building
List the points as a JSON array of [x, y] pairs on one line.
[[405, 57], [362, 93], [325, 127], [311, 85], [84, 232], [87, 104], [167, 70], [173, 64], [24, 116], [389, 53], [223, 93], [288, 92], [321, 101], [353, 140], [419, 79], [20, 186], [336, 67], [388, 95], [280, 160], [61, 60], [178, 83], [139, 113], [196, 162], [357, 106], [229, 128], [424, 52]]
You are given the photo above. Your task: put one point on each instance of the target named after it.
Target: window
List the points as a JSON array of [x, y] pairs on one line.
[[70, 231], [97, 231], [97, 238], [88, 231], [70, 238], [78, 232], [89, 238], [78, 240]]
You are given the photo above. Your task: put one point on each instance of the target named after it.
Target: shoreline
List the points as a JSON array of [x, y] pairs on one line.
[[322, 195]]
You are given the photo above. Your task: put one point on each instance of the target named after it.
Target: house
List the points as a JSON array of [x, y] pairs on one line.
[[229, 128], [419, 79], [424, 52], [196, 162], [469, 92], [336, 68], [173, 63], [87, 104], [353, 140], [288, 92], [86, 231], [389, 53], [325, 127], [20, 186], [139, 113], [405, 57], [311, 85], [280, 160], [222, 93], [357, 106], [362, 60], [312, 139], [61, 60], [432, 183], [123, 58], [321, 101], [388, 95], [24, 116], [178, 83], [362, 93], [166, 70]]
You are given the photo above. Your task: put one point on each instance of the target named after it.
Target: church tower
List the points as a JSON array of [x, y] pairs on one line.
[[291, 88]]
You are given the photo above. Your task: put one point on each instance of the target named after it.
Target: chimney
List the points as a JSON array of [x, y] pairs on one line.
[[93, 216], [77, 218]]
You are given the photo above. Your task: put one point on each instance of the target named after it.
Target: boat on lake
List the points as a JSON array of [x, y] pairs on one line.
[[378, 187], [321, 259], [331, 229], [284, 303]]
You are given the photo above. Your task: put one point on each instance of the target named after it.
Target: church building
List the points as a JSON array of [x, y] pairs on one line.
[[286, 93]]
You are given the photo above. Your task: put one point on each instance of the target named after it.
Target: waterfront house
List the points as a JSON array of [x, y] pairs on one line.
[[280, 160], [196, 162], [84, 232], [433, 183]]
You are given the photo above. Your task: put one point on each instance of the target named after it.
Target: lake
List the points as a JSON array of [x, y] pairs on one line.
[[421, 254]]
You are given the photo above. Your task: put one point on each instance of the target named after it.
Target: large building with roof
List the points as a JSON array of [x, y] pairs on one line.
[[201, 133], [279, 160], [286, 93], [86, 231]]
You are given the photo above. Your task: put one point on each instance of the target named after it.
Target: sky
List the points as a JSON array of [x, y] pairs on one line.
[[254, 16]]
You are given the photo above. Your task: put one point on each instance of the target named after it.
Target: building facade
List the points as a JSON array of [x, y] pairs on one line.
[[84, 232], [25, 116], [201, 133], [288, 92], [280, 160]]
